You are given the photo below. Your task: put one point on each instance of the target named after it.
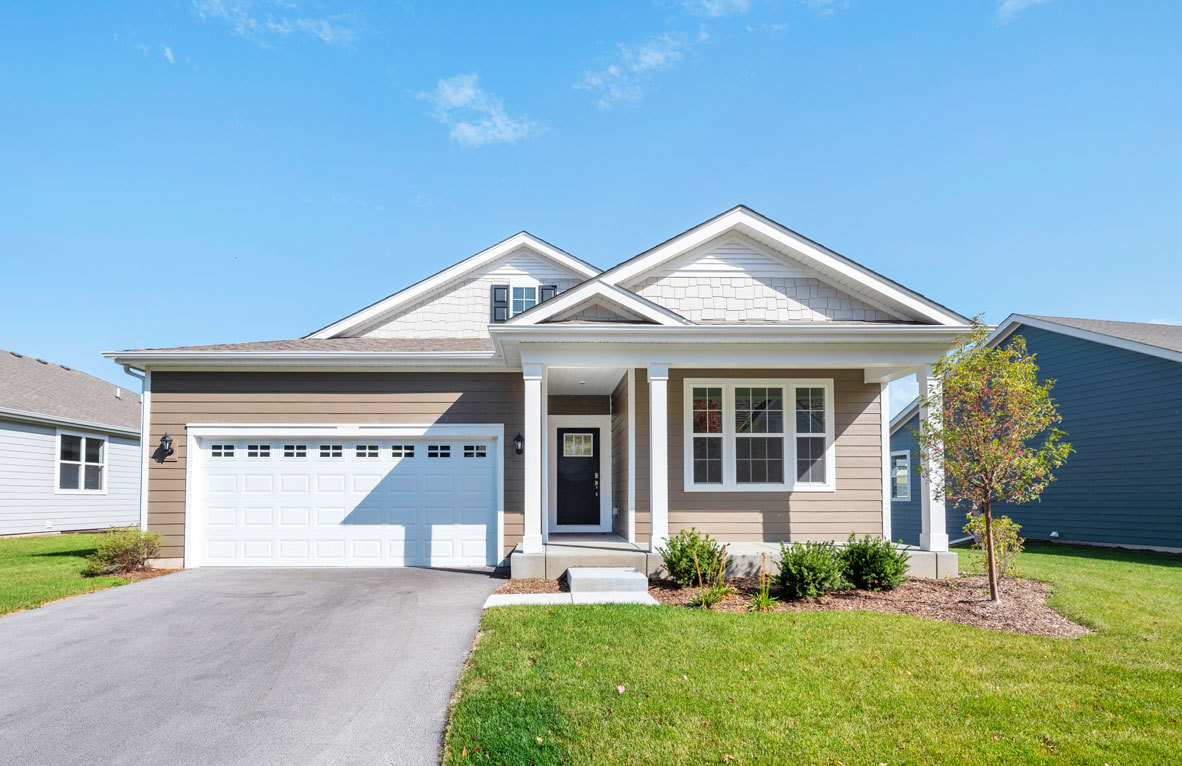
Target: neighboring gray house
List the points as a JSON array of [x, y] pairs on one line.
[[1118, 386], [69, 449]]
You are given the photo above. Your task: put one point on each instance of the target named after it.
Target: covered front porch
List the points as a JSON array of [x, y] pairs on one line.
[[614, 475]]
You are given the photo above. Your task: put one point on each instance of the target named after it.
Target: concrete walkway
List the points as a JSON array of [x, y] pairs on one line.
[[240, 666]]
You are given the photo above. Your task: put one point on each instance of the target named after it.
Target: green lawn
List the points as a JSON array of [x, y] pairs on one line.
[[36, 570], [829, 687]]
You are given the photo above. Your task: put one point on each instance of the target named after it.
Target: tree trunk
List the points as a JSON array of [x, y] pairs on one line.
[[990, 557]]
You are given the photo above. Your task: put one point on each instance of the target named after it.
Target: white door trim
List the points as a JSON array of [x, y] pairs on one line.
[[604, 424], [198, 434]]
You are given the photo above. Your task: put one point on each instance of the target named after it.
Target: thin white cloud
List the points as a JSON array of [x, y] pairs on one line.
[[264, 20], [827, 7], [1011, 8], [714, 9], [475, 118], [168, 54], [631, 72]]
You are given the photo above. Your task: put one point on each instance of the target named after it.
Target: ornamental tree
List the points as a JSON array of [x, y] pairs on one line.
[[984, 427]]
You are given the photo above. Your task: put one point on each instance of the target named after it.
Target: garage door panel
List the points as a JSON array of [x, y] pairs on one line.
[[357, 503]]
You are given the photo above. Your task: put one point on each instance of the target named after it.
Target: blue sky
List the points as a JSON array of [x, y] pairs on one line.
[[220, 170]]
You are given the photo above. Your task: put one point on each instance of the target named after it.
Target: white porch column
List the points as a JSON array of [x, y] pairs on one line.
[[933, 533], [535, 448], [658, 453]]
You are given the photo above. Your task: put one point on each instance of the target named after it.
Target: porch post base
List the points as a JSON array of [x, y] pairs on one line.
[[531, 544], [524, 565], [933, 542]]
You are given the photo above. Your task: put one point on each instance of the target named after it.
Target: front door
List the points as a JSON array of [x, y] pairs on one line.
[[578, 477]]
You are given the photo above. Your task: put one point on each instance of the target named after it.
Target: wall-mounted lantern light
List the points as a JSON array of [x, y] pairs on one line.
[[164, 450], [518, 443]]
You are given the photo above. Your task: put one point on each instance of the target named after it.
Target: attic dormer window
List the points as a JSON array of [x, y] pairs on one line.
[[524, 298]]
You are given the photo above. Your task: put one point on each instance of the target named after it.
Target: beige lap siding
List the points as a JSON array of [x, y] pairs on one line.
[[855, 506], [181, 398]]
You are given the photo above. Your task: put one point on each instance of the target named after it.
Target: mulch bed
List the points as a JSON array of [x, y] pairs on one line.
[[964, 600], [146, 574]]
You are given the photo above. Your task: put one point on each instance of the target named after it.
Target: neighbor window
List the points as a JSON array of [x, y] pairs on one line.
[[82, 461], [900, 476], [524, 298], [758, 435]]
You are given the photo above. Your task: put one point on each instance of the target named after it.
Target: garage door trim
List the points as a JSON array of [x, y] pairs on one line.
[[200, 434]]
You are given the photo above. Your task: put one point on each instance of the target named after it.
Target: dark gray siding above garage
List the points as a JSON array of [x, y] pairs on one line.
[[1123, 414]]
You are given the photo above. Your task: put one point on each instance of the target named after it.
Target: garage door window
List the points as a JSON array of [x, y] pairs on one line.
[[367, 450], [222, 450], [402, 450], [438, 450], [332, 450], [258, 450], [475, 450], [295, 450]]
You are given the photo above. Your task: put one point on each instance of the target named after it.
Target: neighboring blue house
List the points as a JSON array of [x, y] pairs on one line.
[[1118, 386]]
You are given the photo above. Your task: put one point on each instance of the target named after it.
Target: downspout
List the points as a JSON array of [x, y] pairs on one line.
[[145, 394]]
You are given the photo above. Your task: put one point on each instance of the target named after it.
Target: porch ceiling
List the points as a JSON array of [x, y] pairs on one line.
[[583, 381]]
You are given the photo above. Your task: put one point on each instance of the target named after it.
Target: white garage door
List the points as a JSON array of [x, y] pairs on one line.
[[359, 502]]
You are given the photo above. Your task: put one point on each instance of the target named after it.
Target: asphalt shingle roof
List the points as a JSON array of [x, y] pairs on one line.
[[389, 345], [32, 385], [1167, 336]]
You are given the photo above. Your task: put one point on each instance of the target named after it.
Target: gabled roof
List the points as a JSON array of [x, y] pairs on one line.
[[419, 289], [379, 345], [1162, 340], [34, 389], [841, 270], [595, 290], [908, 412]]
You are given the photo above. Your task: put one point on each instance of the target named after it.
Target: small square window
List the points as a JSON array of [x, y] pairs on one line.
[[295, 450], [402, 450], [578, 445], [524, 298], [258, 450], [367, 450], [475, 450], [222, 450], [332, 450], [438, 450]]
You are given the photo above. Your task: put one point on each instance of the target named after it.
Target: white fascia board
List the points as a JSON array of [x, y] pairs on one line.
[[588, 291], [907, 413], [816, 257], [850, 355], [1013, 321], [25, 416], [430, 284], [143, 360], [694, 333]]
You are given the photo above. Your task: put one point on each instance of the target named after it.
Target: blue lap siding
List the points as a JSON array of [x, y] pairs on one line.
[[1122, 411], [905, 514]]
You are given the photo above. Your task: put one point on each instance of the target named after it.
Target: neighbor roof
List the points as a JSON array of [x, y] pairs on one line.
[[35, 387], [1163, 340]]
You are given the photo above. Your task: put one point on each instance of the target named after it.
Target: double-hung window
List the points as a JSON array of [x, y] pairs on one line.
[[901, 476], [758, 435], [81, 463]]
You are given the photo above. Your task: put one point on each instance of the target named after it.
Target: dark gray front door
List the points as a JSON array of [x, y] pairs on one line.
[[578, 476]]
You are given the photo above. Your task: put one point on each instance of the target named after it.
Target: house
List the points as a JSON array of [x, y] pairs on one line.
[[732, 379], [1118, 387], [69, 449], [906, 504]]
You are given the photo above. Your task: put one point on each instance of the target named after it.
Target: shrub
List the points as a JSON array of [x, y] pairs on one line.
[[808, 570], [1007, 545], [873, 563], [121, 550], [708, 597], [692, 558]]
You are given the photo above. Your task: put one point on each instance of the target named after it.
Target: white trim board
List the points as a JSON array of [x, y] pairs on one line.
[[199, 432], [604, 424], [420, 289], [587, 291]]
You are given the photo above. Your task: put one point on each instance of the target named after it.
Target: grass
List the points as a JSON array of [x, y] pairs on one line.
[[834, 687], [37, 570]]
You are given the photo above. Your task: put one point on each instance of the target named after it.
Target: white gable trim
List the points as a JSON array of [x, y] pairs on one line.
[[456, 272], [610, 294], [811, 254], [1013, 321], [907, 413]]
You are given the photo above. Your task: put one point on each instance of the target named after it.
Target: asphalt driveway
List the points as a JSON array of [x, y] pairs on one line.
[[224, 666]]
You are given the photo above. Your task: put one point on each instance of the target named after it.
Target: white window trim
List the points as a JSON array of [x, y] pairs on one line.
[[729, 484], [57, 463], [535, 286], [907, 498]]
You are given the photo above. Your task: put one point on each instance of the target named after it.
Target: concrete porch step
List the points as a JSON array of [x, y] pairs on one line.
[[606, 580]]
